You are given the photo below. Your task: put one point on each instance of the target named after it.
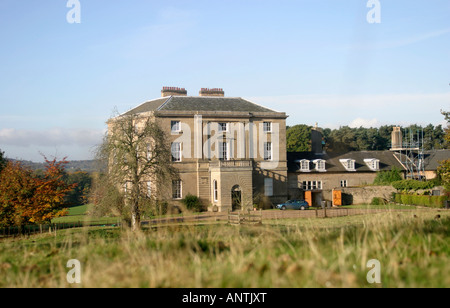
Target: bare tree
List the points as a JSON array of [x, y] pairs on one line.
[[138, 158]]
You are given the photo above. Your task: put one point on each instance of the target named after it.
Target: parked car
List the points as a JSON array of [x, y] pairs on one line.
[[293, 205]]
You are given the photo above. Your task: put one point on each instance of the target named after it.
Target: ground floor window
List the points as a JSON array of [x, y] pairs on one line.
[[177, 189], [149, 189], [268, 187], [216, 191], [312, 185]]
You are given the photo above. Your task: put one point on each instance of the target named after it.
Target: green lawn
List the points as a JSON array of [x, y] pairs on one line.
[[81, 214], [413, 249], [383, 207]]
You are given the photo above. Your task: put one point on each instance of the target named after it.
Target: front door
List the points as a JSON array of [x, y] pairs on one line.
[[236, 198], [337, 197], [308, 198]]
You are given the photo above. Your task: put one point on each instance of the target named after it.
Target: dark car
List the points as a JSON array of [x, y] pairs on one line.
[[294, 205]]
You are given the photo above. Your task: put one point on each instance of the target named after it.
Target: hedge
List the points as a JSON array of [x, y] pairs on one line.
[[422, 200], [408, 185]]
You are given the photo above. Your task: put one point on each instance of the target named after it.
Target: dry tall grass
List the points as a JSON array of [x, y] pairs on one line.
[[413, 250]]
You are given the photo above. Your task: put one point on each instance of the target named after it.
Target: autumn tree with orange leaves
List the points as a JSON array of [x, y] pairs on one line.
[[27, 199]]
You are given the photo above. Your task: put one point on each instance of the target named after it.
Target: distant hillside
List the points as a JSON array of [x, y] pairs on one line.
[[74, 165]]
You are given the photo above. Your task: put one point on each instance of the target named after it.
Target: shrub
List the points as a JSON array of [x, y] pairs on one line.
[[409, 185], [378, 201], [388, 177], [192, 203], [421, 200]]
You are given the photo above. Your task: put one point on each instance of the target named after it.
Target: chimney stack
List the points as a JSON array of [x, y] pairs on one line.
[[212, 92], [173, 91], [397, 139]]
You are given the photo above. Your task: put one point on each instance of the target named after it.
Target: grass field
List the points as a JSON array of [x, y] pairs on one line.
[[413, 250]]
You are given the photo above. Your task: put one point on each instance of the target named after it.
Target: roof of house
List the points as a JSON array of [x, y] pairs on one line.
[[200, 103], [434, 158], [333, 162]]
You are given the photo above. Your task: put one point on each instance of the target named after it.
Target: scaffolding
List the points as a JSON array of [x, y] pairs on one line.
[[409, 147]]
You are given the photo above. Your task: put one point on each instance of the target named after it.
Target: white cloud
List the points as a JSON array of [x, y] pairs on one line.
[[360, 122], [52, 137]]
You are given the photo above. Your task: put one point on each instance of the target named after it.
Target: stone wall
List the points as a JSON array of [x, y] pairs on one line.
[[365, 194]]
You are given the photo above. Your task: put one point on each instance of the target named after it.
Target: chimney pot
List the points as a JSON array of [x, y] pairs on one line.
[[171, 91], [218, 92]]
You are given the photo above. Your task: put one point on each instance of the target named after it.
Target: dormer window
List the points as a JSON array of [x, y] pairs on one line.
[[373, 164], [349, 164], [304, 165], [320, 165]]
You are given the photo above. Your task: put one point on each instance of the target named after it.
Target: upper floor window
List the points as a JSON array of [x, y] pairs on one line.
[[304, 165], [223, 127], [175, 126], [176, 152], [267, 127], [149, 151], [349, 164], [224, 149], [320, 165], [267, 150], [373, 164], [344, 183]]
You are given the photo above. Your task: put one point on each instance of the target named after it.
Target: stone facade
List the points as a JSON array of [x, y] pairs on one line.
[[227, 150]]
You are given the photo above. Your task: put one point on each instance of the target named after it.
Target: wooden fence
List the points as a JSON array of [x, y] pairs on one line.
[[245, 217]]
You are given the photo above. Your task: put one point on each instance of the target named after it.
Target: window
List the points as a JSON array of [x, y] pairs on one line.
[[175, 126], [373, 164], [267, 127], [268, 187], [349, 164], [304, 165], [312, 185], [177, 189], [223, 151], [149, 189], [267, 150], [320, 165], [216, 191], [149, 151], [176, 152], [344, 183], [223, 127]]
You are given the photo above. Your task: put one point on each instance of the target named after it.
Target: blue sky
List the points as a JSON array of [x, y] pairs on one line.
[[317, 60]]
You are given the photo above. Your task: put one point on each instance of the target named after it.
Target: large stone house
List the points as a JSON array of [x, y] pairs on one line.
[[227, 150]]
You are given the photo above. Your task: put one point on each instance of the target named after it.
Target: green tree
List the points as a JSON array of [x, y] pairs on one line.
[[446, 114], [137, 152], [298, 138], [80, 194], [342, 140], [444, 174], [2, 161], [388, 177]]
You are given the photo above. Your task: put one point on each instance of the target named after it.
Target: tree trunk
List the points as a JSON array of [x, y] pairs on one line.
[[135, 217]]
